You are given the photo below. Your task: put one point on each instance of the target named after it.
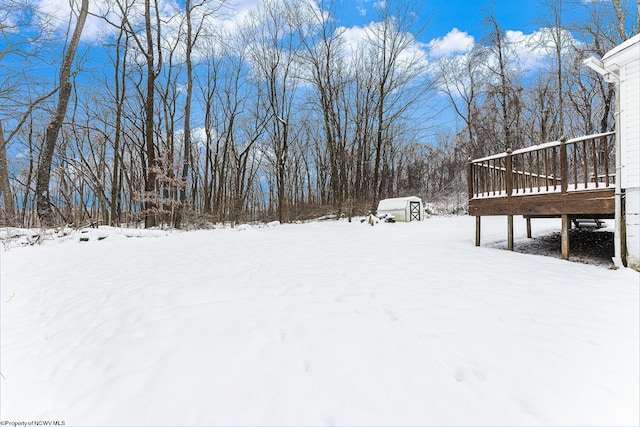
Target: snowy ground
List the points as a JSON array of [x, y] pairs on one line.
[[316, 324]]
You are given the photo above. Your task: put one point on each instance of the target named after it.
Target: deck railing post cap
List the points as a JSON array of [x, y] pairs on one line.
[[509, 151], [563, 138]]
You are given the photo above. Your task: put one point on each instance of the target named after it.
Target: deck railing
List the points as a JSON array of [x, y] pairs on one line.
[[560, 166]]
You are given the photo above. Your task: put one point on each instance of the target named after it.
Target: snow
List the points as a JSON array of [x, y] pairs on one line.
[[324, 323]]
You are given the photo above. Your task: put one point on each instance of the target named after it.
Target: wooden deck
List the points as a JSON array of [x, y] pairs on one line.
[[568, 179]]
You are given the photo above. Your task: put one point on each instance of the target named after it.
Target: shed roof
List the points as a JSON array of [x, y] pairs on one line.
[[396, 203]]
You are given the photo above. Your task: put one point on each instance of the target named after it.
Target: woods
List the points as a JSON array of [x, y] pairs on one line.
[[176, 115]]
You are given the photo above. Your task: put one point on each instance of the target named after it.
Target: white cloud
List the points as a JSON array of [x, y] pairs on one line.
[[357, 39], [532, 50], [353, 38], [382, 4], [528, 52], [455, 42], [525, 53], [57, 14]]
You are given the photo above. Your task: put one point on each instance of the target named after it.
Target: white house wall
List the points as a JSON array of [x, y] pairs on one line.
[[625, 61], [630, 124], [630, 128], [632, 219]]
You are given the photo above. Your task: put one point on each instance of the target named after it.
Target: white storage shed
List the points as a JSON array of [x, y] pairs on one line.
[[403, 209]]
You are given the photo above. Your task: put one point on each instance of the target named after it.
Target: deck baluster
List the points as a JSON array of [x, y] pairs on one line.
[[546, 170], [585, 164], [492, 174], [606, 161], [514, 174], [531, 170], [594, 155], [575, 166], [554, 166], [538, 169], [470, 193]]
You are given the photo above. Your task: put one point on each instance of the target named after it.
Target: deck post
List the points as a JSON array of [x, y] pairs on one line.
[[508, 173], [566, 225], [470, 179], [478, 231], [564, 165], [509, 188], [510, 232], [528, 227]]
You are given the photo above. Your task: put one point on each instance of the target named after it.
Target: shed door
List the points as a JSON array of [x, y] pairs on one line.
[[414, 211]]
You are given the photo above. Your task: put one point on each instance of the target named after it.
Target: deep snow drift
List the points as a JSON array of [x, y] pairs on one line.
[[316, 324]]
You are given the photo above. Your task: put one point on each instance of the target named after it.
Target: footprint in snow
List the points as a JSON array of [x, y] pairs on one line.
[[391, 315]]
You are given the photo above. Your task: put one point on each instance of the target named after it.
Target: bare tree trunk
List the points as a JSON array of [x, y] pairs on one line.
[[186, 149], [151, 205], [621, 15], [207, 161], [5, 186], [120, 90], [558, 36], [44, 169], [282, 172], [503, 91]]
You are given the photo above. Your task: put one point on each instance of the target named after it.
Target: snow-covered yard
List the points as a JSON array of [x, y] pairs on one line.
[[316, 324]]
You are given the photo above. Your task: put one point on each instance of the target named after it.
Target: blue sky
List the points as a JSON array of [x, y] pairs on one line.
[[443, 16], [453, 25], [465, 15], [468, 16]]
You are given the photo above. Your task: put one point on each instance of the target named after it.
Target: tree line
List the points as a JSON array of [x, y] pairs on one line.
[[178, 117]]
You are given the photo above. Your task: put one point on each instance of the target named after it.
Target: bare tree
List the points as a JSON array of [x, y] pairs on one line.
[[208, 88], [463, 80], [149, 44], [192, 34], [5, 185], [398, 66], [324, 56], [120, 88], [23, 31], [45, 211], [274, 60], [558, 36], [497, 46]]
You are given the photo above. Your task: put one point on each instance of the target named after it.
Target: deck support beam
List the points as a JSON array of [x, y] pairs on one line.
[[528, 226], [478, 230], [564, 241], [510, 232]]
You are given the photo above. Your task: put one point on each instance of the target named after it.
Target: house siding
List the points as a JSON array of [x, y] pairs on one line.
[[626, 60], [630, 124]]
